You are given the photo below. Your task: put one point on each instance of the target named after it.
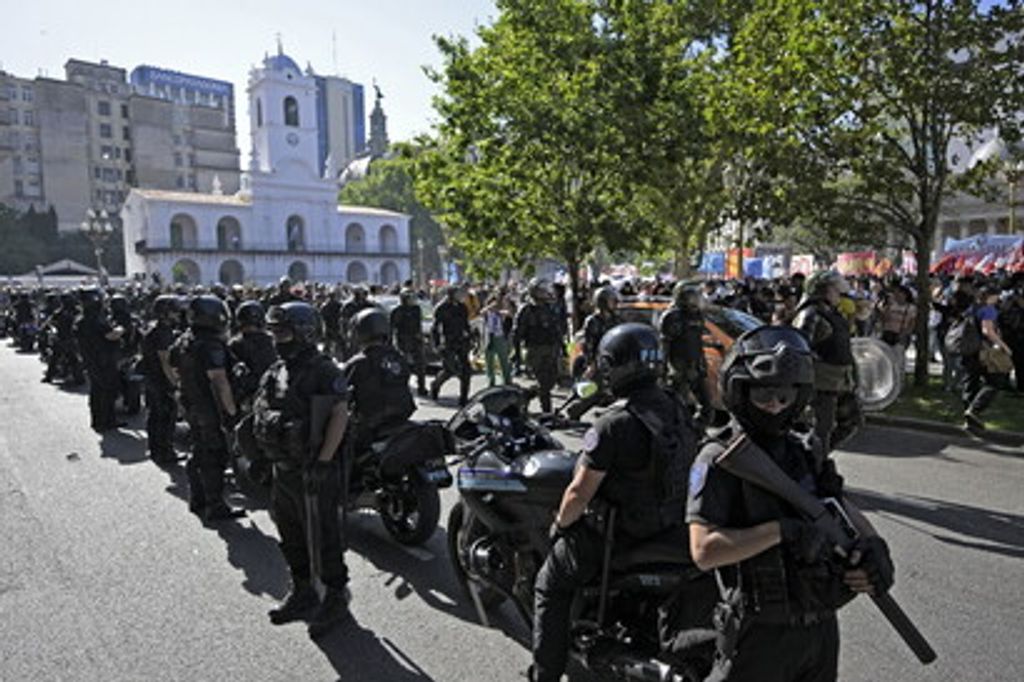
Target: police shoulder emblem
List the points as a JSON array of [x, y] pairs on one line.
[[698, 476], [590, 440]]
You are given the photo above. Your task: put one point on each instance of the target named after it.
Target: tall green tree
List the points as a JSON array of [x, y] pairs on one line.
[[843, 112]]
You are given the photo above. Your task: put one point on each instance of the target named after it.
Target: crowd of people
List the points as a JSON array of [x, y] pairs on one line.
[[292, 370]]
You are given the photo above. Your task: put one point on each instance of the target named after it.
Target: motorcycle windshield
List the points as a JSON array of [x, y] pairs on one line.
[[504, 401], [879, 373]]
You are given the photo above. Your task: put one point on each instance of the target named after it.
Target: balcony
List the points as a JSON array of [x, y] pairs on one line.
[[265, 250]]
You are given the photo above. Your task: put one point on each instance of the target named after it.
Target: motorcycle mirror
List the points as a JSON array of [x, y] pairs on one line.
[[476, 414], [584, 389]]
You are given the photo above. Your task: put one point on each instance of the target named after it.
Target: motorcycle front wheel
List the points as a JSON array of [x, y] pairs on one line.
[[410, 509], [462, 532]]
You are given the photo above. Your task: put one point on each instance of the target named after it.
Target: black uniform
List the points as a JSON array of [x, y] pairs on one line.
[[828, 334], [594, 328], [100, 356], [130, 345], [349, 311], [378, 380], [451, 335], [645, 448], [407, 327], [682, 337], [256, 353], [788, 629], [330, 313], [282, 416], [161, 408], [539, 327], [65, 350], [194, 354]]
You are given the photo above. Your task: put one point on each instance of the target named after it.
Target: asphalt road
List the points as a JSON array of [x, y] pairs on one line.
[[105, 575]]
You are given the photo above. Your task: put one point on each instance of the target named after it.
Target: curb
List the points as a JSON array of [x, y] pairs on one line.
[[1007, 438]]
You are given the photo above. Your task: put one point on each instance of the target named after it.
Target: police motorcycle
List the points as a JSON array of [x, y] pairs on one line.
[[646, 617]]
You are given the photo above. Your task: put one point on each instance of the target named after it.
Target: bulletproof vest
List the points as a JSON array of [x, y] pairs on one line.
[[832, 345], [196, 391], [256, 351], [96, 349], [453, 319], [540, 325], [379, 380], [653, 500], [150, 353], [594, 329], [281, 418], [776, 586], [64, 322], [406, 320], [683, 335]]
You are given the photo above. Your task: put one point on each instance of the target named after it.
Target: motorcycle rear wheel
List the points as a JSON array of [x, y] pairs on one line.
[[460, 536], [410, 510]]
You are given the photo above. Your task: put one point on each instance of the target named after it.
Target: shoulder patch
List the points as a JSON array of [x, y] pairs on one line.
[[339, 386], [698, 477], [590, 440]]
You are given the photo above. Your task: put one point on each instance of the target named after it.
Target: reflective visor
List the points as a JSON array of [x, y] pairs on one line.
[[765, 395]]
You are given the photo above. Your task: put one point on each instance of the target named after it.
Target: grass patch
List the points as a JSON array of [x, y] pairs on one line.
[[933, 403]]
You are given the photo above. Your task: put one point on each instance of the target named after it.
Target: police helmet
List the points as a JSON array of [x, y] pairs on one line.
[[371, 326], [68, 300], [540, 289], [819, 282], [606, 298], [166, 305], [91, 298], [629, 356], [250, 313], [407, 296], [360, 292], [686, 297], [208, 312], [770, 363], [119, 304], [299, 317]]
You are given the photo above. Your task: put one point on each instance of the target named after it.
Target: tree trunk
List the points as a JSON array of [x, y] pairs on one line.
[[922, 251], [572, 261], [682, 269]]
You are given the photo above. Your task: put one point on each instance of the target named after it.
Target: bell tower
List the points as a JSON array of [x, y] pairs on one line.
[[283, 122]]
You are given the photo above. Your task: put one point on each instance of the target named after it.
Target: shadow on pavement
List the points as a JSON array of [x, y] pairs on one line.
[[358, 654], [891, 442], [999, 532], [430, 578], [124, 446]]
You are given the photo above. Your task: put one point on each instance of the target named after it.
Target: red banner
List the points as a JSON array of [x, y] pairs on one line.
[[856, 263]]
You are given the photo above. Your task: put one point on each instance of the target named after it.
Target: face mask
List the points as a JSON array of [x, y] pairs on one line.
[[287, 349]]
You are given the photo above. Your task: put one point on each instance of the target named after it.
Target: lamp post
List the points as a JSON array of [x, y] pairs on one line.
[[422, 274], [97, 228], [1014, 173]]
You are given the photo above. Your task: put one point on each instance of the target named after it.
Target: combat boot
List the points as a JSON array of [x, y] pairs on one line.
[[298, 605], [333, 611]]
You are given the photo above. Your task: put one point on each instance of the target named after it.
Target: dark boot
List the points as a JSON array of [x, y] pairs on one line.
[[298, 605], [220, 511], [332, 612]]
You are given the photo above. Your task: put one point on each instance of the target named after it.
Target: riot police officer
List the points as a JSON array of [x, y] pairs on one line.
[[378, 379], [682, 332], [539, 327], [161, 378], [252, 350], [636, 459], [330, 313], [452, 336], [828, 333], [407, 326], [99, 343], [64, 350], [300, 417], [202, 360], [360, 301], [781, 582], [597, 324], [121, 315]]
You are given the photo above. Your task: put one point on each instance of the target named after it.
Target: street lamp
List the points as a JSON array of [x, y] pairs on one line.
[[1014, 173], [97, 228], [422, 275]]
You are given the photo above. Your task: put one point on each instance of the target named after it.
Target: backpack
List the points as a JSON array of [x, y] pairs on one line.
[[964, 336]]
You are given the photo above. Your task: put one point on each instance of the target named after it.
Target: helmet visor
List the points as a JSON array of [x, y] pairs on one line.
[[779, 397]]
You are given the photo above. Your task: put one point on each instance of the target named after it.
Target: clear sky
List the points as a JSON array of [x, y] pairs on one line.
[[390, 40]]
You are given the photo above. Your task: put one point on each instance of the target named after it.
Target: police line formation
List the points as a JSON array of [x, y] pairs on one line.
[[683, 543]]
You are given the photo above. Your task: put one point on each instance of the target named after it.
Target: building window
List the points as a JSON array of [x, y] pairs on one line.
[[192, 182], [117, 152], [356, 273], [291, 112], [259, 113], [19, 188], [109, 175], [29, 118], [177, 138], [107, 152], [191, 160], [128, 155], [106, 131], [17, 165], [13, 117], [177, 159], [295, 231], [180, 182], [231, 273], [103, 107], [129, 177], [126, 134], [124, 111], [97, 172], [355, 238], [26, 93], [388, 239], [229, 234]]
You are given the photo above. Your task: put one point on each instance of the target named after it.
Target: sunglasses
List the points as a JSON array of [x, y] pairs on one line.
[[763, 395]]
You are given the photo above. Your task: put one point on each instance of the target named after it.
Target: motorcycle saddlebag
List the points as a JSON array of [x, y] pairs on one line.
[[413, 444]]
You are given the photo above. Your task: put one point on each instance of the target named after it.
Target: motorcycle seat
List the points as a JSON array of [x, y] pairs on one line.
[[670, 549]]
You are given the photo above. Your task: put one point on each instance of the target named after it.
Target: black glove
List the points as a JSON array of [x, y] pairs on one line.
[[229, 421], [557, 531], [876, 561], [805, 541], [319, 475]]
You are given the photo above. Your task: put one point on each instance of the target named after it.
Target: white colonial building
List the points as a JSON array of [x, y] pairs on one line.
[[285, 219]]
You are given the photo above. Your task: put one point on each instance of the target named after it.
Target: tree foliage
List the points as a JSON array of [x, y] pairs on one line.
[[31, 238], [843, 113]]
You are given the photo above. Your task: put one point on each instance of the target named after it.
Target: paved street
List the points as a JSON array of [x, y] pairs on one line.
[[104, 574]]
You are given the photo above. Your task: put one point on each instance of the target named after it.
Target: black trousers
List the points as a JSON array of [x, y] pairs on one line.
[[454, 363], [544, 362], [161, 415], [783, 653], [412, 349], [104, 384], [288, 509], [206, 465], [977, 388], [574, 560], [824, 405]]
